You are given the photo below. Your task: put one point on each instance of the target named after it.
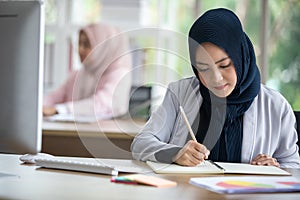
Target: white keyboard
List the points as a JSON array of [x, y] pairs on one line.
[[73, 165]]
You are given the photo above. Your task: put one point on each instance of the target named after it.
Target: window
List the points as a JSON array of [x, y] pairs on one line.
[[161, 51], [62, 21], [284, 55]]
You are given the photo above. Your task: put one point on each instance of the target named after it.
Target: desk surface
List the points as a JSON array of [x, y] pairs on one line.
[[105, 139], [36, 183], [110, 128]]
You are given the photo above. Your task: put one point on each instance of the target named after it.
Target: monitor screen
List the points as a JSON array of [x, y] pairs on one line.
[[21, 73]]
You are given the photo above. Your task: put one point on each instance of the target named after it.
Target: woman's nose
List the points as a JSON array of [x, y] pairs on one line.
[[217, 75], [80, 48]]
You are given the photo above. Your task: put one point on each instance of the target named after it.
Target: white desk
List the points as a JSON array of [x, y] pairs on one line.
[[37, 183]]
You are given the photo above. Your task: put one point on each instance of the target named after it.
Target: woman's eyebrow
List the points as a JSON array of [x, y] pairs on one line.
[[201, 63], [221, 60]]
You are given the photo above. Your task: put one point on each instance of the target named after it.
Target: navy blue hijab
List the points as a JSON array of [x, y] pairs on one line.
[[220, 127]]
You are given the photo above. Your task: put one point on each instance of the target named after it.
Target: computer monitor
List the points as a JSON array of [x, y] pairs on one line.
[[21, 73]]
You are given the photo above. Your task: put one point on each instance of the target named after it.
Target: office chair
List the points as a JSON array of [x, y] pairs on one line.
[[297, 115], [140, 102]]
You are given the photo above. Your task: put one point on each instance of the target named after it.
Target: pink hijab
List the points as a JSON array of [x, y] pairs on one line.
[[108, 55]]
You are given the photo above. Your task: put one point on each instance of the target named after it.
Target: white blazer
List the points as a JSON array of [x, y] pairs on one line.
[[268, 125]]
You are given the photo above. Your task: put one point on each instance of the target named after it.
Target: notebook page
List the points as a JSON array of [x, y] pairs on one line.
[[242, 168], [205, 167]]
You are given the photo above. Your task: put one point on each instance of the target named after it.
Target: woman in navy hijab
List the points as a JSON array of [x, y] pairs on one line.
[[234, 117], [223, 59]]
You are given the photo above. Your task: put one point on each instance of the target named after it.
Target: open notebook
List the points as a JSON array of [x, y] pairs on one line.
[[72, 118], [210, 167]]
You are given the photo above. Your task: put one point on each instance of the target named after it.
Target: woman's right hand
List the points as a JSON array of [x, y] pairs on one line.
[[49, 111], [192, 154]]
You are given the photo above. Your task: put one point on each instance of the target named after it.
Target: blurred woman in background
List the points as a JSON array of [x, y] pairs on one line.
[[102, 86]]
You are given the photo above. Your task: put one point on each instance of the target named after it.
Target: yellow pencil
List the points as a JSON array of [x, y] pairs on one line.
[[187, 124]]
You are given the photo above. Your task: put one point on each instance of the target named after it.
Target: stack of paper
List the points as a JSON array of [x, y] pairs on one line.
[[72, 118]]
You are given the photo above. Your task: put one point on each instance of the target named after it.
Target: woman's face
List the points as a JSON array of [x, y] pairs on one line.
[[84, 47], [215, 69]]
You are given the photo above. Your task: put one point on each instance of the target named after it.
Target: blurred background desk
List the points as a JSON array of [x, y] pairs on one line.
[[37, 183], [105, 139]]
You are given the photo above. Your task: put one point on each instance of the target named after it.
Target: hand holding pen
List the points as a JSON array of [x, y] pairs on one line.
[[193, 153]]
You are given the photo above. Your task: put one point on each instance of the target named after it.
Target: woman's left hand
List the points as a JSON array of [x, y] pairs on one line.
[[263, 159], [49, 111]]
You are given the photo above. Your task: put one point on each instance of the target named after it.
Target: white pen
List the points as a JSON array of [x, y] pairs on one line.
[[187, 124]]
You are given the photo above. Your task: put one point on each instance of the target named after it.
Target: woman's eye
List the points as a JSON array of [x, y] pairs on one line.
[[225, 66], [202, 69]]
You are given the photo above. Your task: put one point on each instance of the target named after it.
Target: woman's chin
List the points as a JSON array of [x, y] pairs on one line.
[[220, 93]]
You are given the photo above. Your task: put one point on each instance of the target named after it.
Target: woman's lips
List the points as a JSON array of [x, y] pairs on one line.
[[221, 87]]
